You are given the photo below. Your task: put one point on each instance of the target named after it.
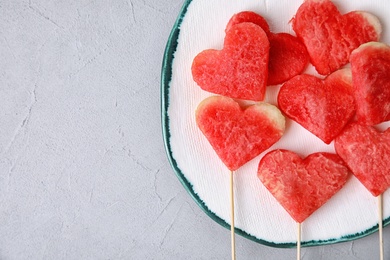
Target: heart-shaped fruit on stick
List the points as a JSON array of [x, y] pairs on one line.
[[240, 69], [287, 55], [329, 36], [366, 152], [370, 65], [323, 107], [302, 186], [239, 134]]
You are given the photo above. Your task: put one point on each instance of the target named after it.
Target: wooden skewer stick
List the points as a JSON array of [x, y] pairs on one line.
[[299, 242], [233, 240], [380, 223]]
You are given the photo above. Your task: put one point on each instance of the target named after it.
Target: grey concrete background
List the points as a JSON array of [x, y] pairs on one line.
[[83, 170]]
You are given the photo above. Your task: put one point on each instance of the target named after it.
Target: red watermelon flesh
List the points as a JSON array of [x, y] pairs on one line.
[[288, 56], [302, 186], [331, 37], [366, 152], [370, 65], [323, 107], [239, 134], [240, 69]]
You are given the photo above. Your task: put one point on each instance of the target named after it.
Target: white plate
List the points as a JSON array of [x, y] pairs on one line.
[[350, 214]]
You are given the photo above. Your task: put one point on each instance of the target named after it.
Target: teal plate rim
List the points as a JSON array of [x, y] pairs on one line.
[[166, 76]]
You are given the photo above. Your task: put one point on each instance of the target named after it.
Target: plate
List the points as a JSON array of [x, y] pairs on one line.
[[350, 214]]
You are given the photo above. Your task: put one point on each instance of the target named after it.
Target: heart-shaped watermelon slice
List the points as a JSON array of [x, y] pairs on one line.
[[240, 69], [302, 186], [370, 65], [366, 152], [287, 57], [331, 37], [323, 107], [239, 134]]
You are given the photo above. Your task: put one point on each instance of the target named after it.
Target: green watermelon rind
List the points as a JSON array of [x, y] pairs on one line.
[[166, 76]]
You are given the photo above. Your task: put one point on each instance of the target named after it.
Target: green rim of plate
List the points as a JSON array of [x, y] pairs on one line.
[[166, 76]]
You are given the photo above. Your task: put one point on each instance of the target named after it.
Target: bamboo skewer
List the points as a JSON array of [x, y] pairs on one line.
[[299, 241], [380, 223], [233, 240]]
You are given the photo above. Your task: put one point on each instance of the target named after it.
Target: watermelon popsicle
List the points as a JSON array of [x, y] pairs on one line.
[[301, 186], [238, 134], [370, 64], [366, 152]]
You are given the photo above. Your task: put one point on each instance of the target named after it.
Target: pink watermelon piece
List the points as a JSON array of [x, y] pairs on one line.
[[323, 107], [331, 37], [240, 69], [366, 152], [239, 134], [302, 186], [288, 56], [370, 65]]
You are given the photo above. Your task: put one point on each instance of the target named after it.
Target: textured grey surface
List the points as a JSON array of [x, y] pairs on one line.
[[83, 170]]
